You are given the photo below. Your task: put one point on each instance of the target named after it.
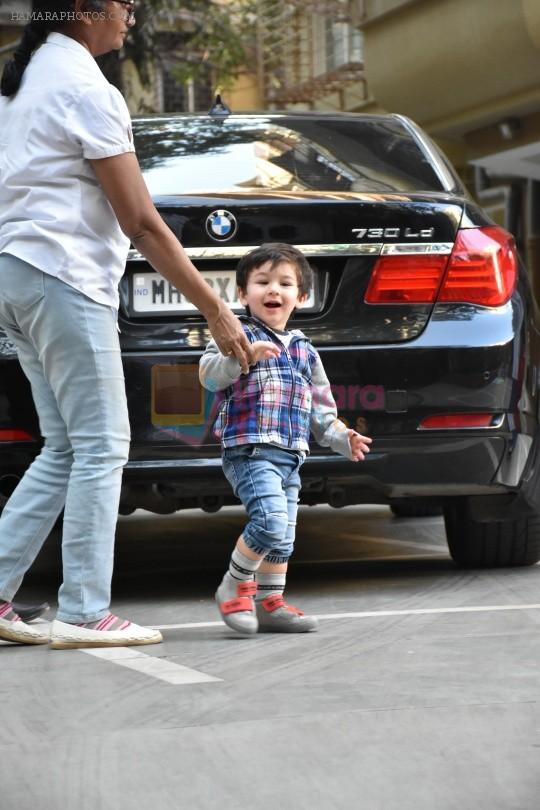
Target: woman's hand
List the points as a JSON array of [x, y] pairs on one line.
[[359, 445], [264, 350], [231, 339]]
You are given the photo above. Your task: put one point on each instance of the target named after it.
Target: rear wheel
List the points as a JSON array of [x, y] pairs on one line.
[[491, 545], [415, 507]]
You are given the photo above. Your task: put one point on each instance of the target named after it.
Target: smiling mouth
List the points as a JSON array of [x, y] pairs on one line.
[[272, 305]]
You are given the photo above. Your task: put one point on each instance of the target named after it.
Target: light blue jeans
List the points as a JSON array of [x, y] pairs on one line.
[[68, 348], [267, 481]]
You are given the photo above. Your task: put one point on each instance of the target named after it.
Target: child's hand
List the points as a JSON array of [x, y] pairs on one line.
[[359, 445], [264, 350]]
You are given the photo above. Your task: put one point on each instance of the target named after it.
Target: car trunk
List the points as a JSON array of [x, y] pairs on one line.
[[343, 236]]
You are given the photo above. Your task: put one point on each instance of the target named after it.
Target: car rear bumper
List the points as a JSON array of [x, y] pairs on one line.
[[463, 461], [423, 466], [384, 391], [431, 467]]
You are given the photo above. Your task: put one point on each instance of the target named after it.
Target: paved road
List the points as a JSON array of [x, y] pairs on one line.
[[406, 699]]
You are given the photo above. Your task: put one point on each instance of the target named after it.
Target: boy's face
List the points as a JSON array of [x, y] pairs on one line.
[[272, 293]]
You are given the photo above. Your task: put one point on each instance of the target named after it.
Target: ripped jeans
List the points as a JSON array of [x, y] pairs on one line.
[[267, 481]]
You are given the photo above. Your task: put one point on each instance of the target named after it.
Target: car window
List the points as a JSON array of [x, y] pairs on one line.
[[203, 155]]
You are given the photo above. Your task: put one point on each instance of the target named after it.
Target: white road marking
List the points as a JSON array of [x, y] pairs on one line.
[[176, 674], [159, 668], [371, 614], [427, 611]]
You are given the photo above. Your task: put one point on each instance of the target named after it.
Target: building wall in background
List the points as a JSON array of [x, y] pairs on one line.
[[468, 71]]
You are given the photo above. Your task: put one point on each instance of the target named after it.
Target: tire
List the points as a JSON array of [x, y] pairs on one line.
[[411, 508], [491, 545]]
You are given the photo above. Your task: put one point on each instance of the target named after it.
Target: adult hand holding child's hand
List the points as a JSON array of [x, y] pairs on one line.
[[227, 331]]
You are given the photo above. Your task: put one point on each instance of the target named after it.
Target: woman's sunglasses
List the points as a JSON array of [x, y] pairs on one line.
[[130, 10]]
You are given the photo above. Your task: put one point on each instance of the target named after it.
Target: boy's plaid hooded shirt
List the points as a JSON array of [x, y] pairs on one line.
[[279, 401]]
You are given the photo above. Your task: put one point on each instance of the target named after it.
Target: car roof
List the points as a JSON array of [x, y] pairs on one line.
[[274, 114]]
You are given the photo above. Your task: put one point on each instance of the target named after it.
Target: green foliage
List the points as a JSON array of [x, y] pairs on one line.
[[195, 37]]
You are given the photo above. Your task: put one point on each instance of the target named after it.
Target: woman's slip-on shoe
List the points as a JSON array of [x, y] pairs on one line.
[[66, 636]]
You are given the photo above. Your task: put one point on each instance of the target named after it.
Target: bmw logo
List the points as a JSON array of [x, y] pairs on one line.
[[221, 225]]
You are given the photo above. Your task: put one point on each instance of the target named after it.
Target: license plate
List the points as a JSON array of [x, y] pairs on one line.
[[151, 293]]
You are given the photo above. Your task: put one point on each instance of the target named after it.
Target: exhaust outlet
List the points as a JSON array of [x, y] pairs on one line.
[[337, 497], [211, 503]]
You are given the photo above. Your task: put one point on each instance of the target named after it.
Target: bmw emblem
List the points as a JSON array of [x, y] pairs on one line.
[[221, 225]]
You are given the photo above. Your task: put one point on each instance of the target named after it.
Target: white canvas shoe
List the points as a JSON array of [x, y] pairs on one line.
[[17, 631], [71, 636]]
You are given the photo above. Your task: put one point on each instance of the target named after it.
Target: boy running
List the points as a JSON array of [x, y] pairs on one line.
[[264, 424]]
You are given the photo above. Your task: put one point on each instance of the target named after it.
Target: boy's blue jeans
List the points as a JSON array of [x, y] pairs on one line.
[[267, 481], [68, 348]]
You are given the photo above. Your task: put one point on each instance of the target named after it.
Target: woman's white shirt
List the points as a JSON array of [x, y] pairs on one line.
[[53, 212]]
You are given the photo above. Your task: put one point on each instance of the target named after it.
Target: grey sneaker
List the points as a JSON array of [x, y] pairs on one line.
[[276, 616], [238, 613]]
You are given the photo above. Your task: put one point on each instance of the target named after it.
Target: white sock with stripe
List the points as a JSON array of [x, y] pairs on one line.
[[241, 569], [269, 585]]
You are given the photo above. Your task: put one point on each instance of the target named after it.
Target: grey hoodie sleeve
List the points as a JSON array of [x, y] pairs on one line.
[[217, 372], [327, 429]]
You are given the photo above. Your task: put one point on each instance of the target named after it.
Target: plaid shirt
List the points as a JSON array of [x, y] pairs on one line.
[[279, 401]]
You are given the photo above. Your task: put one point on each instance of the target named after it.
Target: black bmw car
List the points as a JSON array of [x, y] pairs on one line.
[[421, 310]]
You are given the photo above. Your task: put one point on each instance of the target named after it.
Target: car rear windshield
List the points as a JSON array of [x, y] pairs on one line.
[[278, 153]]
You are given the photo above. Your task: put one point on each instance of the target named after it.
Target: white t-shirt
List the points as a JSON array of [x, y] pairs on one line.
[[53, 212]]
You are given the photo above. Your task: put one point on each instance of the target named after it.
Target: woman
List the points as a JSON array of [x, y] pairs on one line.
[[72, 197]]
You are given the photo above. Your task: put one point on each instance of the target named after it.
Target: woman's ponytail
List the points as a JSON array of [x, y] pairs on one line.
[[34, 35]]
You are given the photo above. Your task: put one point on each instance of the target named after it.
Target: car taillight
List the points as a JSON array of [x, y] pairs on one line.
[[406, 279], [15, 435], [451, 421], [482, 269]]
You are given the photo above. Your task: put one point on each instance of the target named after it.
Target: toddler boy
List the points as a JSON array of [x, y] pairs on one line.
[[264, 424]]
